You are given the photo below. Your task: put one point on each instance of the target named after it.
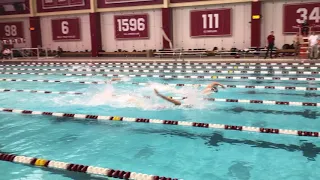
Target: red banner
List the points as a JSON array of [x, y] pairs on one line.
[[49, 4], [131, 26], [9, 30], [212, 22], [296, 14], [124, 1], [65, 29]]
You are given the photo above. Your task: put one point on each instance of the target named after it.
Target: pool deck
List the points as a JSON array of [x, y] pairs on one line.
[[186, 60]]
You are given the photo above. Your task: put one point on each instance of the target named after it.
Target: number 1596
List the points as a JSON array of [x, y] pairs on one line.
[[132, 24]]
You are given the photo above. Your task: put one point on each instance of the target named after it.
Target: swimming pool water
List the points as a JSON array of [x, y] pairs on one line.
[[183, 152]]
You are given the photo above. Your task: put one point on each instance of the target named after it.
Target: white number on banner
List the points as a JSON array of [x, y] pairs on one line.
[[205, 18], [10, 30], [131, 24], [64, 27], [314, 15]]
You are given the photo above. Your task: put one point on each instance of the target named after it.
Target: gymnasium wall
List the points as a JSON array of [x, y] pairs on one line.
[[26, 31], [72, 45], [272, 20], [110, 43], [240, 28]]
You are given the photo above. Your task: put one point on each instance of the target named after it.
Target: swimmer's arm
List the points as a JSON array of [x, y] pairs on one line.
[[221, 85], [217, 84], [115, 79], [175, 102]]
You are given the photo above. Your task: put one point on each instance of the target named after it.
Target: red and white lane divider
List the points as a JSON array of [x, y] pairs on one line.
[[172, 71], [41, 91], [190, 85], [169, 122], [34, 69], [241, 86], [24, 73], [179, 76], [54, 81], [175, 63], [256, 101], [182, 98], [201, 77], [180, 67], [79, 168]]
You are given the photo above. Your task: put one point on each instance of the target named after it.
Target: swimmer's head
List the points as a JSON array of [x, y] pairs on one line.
[[214, 89]]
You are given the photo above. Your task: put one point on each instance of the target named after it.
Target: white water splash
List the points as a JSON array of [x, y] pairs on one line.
[[142, 97]]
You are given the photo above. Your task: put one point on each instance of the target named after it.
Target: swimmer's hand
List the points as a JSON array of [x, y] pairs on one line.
[[156, 91]]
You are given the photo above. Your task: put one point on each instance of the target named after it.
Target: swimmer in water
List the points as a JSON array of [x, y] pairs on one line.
[[175, 102], [113, 80], [212, 87]]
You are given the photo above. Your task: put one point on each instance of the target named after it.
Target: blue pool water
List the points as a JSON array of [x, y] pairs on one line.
[[173, 151]]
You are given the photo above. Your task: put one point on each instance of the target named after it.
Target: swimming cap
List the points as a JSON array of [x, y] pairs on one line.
[[214, 89]]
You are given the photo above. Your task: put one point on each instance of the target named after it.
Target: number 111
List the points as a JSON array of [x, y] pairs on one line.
[[205, 18]]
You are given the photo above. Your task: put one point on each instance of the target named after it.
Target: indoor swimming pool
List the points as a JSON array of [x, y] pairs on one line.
[[262, 126]]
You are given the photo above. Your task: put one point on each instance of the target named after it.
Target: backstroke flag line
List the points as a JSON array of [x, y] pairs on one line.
[[166, 38]]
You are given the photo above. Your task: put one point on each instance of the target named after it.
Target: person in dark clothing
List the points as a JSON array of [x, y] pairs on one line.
[[305, 28], [270, 39], [59, 51]]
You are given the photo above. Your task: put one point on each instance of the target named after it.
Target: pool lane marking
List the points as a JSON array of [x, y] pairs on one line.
[[176, 63], [79, 168], [183, 67], [41, 91], [168, 122], [168, 71], [177, 76], [170, 84], [251, 101]]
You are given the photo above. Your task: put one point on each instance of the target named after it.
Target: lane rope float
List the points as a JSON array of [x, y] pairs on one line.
[[79, 168], [171, 71], [241, 86], [168, 122], [177, 76], [182, 67], [41, 91], [169, 84], [268, 102], [192, 63]]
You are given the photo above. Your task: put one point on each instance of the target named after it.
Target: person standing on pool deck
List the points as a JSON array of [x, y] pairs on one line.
[[270, 40], [298, 40], [313, 44]]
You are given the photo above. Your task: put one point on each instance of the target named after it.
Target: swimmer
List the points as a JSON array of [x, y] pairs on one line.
[[212, 87], [175, 102], [113, 80], [116, 79]]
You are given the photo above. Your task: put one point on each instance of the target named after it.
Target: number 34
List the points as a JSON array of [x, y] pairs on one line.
[[313, 16]]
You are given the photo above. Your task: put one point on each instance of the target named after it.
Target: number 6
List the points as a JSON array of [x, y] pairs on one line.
[[141, 24], [64, 27]]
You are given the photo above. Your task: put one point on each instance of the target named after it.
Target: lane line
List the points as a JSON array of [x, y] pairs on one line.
[[178, 76], [235, 67], [168, 122], [78, 168], [269, 102], [171, 71], [193, 63], [169, 84]]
